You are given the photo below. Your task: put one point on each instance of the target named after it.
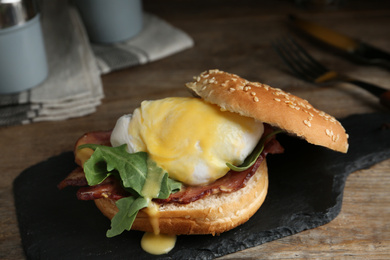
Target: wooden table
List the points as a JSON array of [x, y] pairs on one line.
[[236, 37]]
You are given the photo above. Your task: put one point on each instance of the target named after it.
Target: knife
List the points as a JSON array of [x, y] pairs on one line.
[[357, 49]]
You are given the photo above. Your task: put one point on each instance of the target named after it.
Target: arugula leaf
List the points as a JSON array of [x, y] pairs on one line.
[[132, 168], [138, 174], [251, 159], [128, 210]]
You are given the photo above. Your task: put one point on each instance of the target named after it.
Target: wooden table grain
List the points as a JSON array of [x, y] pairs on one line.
[[236, 36]]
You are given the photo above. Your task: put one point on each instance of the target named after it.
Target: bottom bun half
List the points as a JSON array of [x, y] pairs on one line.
[[213, 214]]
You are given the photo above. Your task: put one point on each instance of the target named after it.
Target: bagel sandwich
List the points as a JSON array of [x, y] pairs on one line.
[[194, 165]]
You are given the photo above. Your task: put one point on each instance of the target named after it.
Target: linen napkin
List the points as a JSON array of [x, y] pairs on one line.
[[157, 40], [73, 87]]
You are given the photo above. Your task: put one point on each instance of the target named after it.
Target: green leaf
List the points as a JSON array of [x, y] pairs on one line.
[[132, 168], [251, 159], [138, 174], [95, 170], [128, 210], [158, 184]]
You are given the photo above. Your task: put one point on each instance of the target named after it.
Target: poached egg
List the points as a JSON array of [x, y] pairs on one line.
[[190, 139]]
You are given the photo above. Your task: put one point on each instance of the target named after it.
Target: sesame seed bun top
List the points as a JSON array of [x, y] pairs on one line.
[[271, 105]]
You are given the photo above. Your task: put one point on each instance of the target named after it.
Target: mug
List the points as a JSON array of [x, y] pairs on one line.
[[110, 21], [23, 63]]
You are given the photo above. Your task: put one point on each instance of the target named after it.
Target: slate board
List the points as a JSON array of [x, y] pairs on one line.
[[306, 191]]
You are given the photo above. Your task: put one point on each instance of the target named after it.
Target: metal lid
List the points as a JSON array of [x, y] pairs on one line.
[[16, 12]]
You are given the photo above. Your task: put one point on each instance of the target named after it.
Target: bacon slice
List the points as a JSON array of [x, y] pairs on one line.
[[99, 137], [111, 187], [75, 178], [102, 138]]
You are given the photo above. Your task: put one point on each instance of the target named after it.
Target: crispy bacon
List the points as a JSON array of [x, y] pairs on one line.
[[111, 187], [75, 178], [231, 182], [101, 137]]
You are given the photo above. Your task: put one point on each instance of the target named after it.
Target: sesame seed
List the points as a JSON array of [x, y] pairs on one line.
[[292, 106], [204, 87], [205, 81], [220, 210], [253, 93], [297, 108], [290, 103], [247, 88], [256, 99], [234, 79], [329, 133], [266, 87], [335, 138], [232, 89], [277, 99], [307, 123], [212, 80], [191, 84]]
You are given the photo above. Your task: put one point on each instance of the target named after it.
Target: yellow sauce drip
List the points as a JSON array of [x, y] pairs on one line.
[[158, 244], [152, 211]]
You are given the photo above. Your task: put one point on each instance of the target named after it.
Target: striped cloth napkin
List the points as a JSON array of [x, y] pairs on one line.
[[73, 87]]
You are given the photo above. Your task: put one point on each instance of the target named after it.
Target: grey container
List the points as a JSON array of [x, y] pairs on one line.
[[23, 62], [111, 21]]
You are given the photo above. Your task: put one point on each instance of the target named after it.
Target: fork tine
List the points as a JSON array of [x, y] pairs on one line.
[[288, 59], [298, 60], [293, 60], [314, 62]]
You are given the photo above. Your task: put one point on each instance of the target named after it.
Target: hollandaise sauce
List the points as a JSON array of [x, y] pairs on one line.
[[158, 244], [191, 139], [155, 243]]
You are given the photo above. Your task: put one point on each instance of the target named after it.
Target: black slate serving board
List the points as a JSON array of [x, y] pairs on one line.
[[306, 191]]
